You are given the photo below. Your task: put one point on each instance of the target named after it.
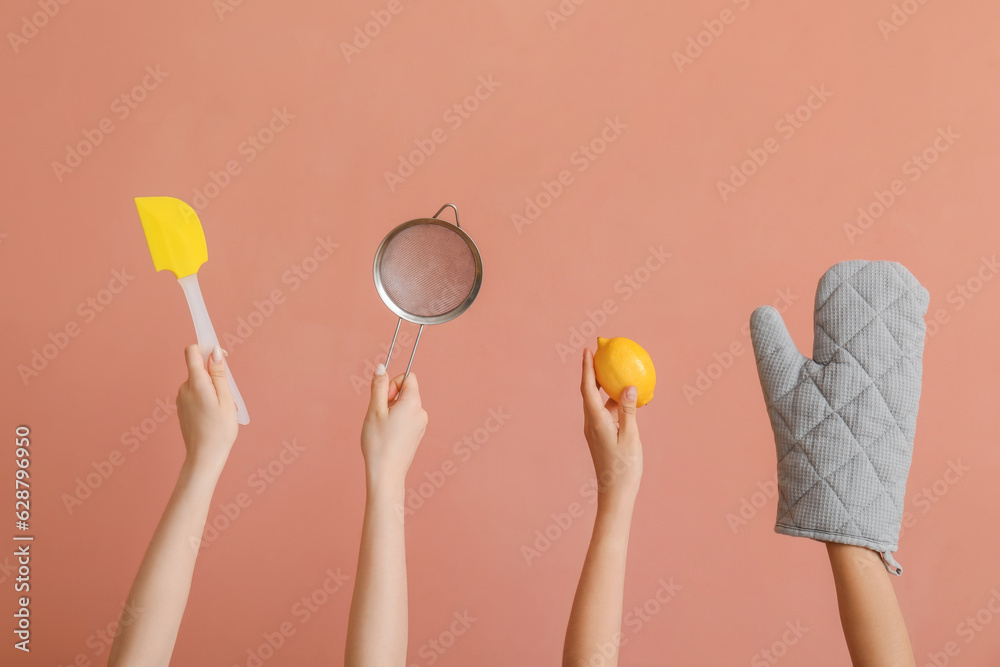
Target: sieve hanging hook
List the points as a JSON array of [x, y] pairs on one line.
[[452, 206]]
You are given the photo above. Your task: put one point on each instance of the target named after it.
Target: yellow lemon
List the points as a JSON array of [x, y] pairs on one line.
[[619, 363]]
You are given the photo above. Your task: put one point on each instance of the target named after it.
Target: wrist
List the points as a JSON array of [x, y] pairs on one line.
[[199, 475], [618, 498], [202, 467], [385, 498], [386, 487], [385, 477], [614, 520]]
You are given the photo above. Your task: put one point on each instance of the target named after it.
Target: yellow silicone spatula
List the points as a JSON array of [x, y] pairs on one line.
[[177, 243]]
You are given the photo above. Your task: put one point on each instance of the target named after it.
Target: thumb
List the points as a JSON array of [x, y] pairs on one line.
[[217, 369], [626, 412], [195, 364], [378, 403], [778, 360]]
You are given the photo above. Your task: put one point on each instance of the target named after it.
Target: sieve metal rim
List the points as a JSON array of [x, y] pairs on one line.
[[436, 319]]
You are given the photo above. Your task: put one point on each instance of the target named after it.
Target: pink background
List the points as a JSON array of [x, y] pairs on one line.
[[323, 175]]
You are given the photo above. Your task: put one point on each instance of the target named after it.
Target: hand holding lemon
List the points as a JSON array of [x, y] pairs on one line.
[[610, 428]]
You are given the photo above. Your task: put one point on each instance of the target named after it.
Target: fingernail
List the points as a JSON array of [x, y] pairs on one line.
[[217, 354], [631, 394], [380, 369]]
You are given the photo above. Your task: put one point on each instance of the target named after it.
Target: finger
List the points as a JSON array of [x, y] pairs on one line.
[[410, 390], [626, 413], [196, 365], [378, 404], [394, 386], [217, 369], [588, 385], [778, 360]]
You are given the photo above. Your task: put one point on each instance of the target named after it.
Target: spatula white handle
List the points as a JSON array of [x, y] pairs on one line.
[[207, 340]]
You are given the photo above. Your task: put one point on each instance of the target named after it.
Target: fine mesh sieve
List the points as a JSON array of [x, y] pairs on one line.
[[427, 271]]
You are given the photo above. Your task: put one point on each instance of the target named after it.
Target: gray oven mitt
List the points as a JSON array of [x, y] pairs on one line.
[[844, 420]]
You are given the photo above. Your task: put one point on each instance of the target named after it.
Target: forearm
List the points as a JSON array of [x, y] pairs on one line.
[[595, 621], [869, 612], [377, 627], [161, 587]]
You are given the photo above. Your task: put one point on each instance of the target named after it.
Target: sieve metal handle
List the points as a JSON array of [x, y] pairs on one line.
[[392, 345], [452, 206]]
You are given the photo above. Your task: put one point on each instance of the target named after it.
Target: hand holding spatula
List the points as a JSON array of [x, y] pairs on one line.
[[177, 243]]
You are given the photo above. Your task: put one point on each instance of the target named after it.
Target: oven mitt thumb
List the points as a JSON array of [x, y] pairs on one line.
[[844, 420]]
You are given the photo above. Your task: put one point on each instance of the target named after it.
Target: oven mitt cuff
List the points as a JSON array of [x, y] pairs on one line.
[[844, 420]]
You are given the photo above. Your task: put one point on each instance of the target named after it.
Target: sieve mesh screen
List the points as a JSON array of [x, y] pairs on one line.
[[427, 270]]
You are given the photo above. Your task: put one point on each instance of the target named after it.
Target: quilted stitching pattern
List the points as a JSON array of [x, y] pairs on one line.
[[844, 420]]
